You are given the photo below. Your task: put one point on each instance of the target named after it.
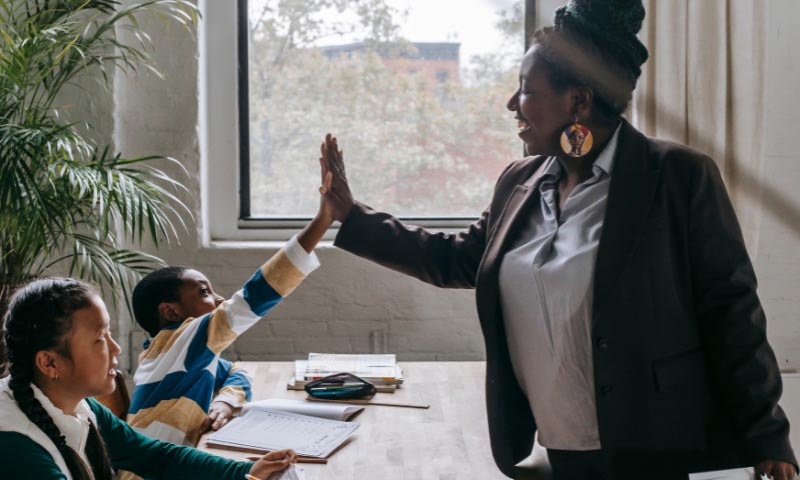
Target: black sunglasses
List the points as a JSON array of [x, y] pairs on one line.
[[340, 386]]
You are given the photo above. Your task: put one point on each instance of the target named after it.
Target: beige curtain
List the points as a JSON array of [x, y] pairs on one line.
[[704, 86]]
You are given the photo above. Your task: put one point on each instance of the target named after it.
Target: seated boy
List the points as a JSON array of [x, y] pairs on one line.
[[180, 369]]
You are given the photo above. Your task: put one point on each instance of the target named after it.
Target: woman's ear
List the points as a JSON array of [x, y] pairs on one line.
[[582, 98], [47, 363]]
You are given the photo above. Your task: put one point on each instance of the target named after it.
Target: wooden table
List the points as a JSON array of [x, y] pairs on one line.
[[449, 441]]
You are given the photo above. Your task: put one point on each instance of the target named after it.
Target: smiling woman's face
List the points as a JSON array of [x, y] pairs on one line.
[[542, 112]]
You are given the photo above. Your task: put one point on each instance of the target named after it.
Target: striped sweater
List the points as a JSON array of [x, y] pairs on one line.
[[181, 368]]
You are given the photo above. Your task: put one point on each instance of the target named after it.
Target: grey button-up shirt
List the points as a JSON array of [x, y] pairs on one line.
[[546, 284]]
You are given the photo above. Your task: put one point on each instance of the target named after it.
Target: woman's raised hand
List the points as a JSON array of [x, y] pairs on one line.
[[336, 197], [273, 462]]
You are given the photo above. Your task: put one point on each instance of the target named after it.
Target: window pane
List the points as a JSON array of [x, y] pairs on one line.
[[414, 90]]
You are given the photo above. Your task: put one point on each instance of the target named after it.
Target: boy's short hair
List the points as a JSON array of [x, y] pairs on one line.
[[158, 286]]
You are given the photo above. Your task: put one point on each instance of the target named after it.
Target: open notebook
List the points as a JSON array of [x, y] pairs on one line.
[[330, 411], [291, 473], [262, 427]]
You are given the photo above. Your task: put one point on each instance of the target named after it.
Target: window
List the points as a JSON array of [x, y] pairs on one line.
[[414, 90]]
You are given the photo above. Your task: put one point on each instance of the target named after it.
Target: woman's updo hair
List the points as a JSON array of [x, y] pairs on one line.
[[594, 43], [39, 317]]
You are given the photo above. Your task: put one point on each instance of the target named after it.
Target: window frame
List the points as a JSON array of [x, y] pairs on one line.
[[224, 133]]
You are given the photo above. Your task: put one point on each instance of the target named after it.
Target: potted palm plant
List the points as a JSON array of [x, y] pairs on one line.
[[69, 203]]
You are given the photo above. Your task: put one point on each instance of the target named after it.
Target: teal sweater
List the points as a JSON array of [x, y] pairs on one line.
[[22, 458]]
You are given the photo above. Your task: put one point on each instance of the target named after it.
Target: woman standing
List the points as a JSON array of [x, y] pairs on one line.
[[615, 294]]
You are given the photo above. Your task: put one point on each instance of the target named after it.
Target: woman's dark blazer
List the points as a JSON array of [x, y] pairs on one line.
[[681, 359]]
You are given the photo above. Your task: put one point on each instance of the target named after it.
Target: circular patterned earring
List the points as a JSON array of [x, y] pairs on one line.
[[576, 139]]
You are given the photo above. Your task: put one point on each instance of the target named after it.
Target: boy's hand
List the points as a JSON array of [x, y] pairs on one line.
[[273, 462], [218, 415]]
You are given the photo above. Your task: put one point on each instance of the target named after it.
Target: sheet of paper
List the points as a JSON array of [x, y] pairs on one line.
[[367, 365], [304, 375], [734, 474], [274, 430], [331, 411], [291, 473]]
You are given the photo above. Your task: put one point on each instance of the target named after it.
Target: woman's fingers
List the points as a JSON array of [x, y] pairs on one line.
[[340, 158], [335, 157], [329, 150], [337, 198]]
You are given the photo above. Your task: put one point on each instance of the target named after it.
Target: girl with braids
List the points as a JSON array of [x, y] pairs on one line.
[[61, 353]]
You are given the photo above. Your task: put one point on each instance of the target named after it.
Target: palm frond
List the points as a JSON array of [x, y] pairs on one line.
[[114, 270], [63, 198]]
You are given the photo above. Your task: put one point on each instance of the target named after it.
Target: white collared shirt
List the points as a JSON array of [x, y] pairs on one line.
[[75, 428], [546, 282]]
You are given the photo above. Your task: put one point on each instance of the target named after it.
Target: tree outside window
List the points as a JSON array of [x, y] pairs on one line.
[[422, 122]]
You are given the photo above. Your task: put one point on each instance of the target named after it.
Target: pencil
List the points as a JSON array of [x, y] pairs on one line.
[[299, 459]]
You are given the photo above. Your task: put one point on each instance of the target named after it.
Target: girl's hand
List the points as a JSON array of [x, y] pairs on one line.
[[336, 197], [273, 462]]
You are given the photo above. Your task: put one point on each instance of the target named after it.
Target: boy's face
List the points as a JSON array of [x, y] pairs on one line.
[[196, 297]]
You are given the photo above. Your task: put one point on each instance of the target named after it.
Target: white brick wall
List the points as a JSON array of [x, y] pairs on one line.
[[340, 306]]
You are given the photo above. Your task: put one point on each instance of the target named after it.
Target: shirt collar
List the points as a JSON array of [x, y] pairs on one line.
[[75, 428], [552, 171], [605, 161], [172, 326]]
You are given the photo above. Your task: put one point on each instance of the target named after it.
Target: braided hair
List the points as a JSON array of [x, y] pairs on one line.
[[39, 318], [594, 43]]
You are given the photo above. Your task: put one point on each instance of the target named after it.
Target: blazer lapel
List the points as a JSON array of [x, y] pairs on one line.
[[508, 222], [633, 184]]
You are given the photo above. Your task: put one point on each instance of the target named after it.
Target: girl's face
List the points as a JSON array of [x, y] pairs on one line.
[[89, 369]]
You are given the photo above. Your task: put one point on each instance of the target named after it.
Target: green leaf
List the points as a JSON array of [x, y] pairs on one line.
[[64, 199]]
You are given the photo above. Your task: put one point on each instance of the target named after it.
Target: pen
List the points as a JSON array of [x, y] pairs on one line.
[[247, 476], [300, 459]]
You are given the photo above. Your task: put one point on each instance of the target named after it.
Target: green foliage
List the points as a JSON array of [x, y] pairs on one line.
[[413, 145], [66, 201]]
